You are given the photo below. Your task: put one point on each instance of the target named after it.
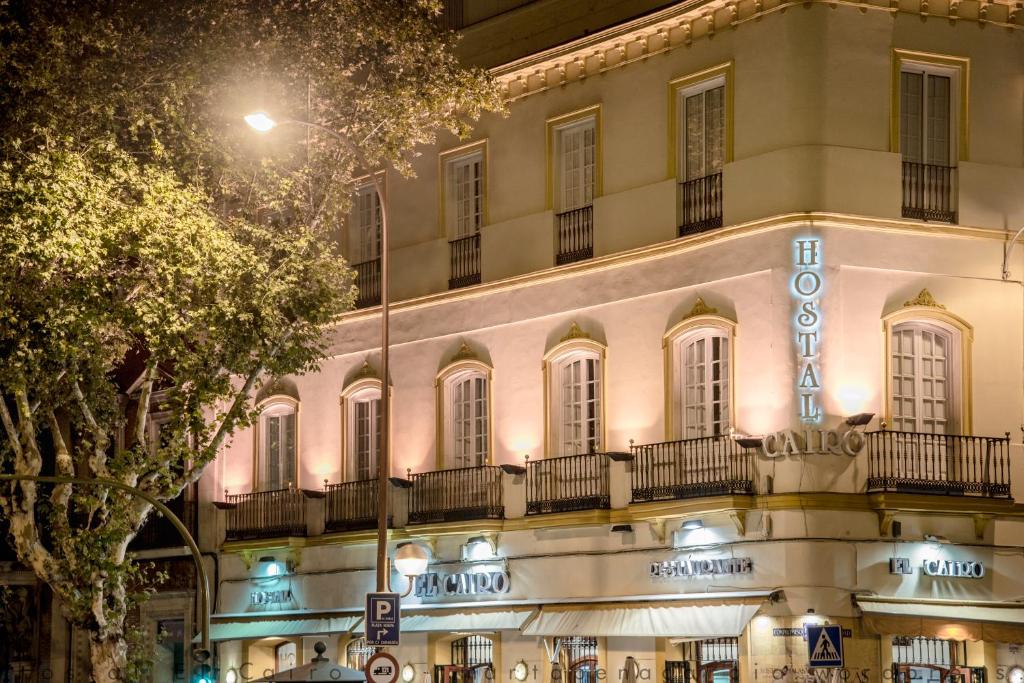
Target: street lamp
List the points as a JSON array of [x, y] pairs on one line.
[[263, 123], [410, 561]]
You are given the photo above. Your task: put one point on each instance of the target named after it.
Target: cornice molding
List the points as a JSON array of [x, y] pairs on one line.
[[678, 26]]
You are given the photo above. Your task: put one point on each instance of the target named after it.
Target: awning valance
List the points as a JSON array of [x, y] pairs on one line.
[[685, 620], [241, 629], [465, 620], [948, 619]]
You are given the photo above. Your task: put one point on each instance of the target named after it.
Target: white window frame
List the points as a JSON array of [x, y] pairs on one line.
[[366, 246], [566, 398], [464, 214], [928, 71], [714, 391], [355, 400], [682, 94], [952, 381], [275, 408], [567, 199], [477, 428]]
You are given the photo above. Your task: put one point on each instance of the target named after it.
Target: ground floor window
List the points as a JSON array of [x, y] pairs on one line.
[[169, 655], [929, 660], [357, 652], [577, 656], [713, 660], [472, 660]]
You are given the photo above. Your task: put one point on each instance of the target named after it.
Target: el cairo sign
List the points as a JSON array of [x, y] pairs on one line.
[[957, 569], [434, 584]]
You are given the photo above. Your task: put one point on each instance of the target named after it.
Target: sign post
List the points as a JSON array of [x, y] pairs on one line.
[[825, 647], [382, 623]]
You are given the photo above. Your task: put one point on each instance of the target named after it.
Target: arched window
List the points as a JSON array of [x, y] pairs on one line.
[[464, 401], [922, 364], [361, 413], [574, 372], [699, 373], [927, 369], [277, 444]]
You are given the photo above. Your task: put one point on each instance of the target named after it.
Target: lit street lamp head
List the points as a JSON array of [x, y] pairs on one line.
[[260, 121]]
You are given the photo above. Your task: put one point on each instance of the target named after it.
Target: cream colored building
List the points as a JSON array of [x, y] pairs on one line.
[[707, 340]]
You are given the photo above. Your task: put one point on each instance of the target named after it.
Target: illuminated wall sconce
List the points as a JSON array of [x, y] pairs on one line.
[[408, 673], [860, 419], [622, 528], [693, 524], [520, 671], [479, 548], [1015, 674]]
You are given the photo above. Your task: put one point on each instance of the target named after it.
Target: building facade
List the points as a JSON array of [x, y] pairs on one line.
[[709, 339]]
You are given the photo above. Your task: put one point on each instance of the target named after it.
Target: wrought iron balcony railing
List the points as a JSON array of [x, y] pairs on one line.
[[929, 192], [700, 204], [575, 235], [465, 261], [266, 514], [453, 495], [351, 506], [572, 482], [157, 532], [939, 464], [368, 283], [692, 468]]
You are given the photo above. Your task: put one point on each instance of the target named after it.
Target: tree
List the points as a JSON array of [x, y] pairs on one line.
[[142, 221]]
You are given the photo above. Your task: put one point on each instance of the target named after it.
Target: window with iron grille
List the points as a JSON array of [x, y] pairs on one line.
[[577, 648], [472, 651], [929, 652]]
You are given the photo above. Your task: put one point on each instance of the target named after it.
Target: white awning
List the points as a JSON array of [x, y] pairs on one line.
[[264, 628], [452, 621], [688, 620], [951, 619]]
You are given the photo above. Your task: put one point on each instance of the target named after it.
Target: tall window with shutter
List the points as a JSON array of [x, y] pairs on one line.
[[575, 162], [701, 127], [469, 420], [464, 216], [277, 448], [926, 140], [580, 402], [702, 383], [922, 364], [365, 242]]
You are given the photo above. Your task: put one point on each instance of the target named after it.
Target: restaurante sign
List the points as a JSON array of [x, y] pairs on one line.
[[687, 568]]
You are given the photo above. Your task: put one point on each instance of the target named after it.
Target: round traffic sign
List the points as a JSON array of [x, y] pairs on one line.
[[381, 668]]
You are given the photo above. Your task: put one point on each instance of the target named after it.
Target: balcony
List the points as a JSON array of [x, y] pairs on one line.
[[691, 468], [368, 283], [456, 495], [700, 204], [465, 261], [351, 506], [939, 464], [573, 482], [266, 514], [158, 532], [575, 235], [929, 192]]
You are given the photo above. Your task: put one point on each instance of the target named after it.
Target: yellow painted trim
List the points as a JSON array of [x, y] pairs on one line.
[[681, 245], [473, 526], [262, 406], [680, 329], [966, 342], [551, 127], [962, 65], [453, 368], [727, 71], [581, 344], [559, 520], [452, 154]]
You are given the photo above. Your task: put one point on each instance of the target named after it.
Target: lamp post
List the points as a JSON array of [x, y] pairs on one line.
[[263, 123], [203, 651]]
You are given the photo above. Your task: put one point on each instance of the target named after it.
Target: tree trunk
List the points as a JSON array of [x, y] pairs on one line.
[[109, 656]]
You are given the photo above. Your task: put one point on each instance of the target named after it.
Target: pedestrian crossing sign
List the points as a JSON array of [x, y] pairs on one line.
[[825, 646]]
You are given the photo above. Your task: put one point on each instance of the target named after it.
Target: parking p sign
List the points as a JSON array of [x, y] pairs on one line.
[[382, 619]]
